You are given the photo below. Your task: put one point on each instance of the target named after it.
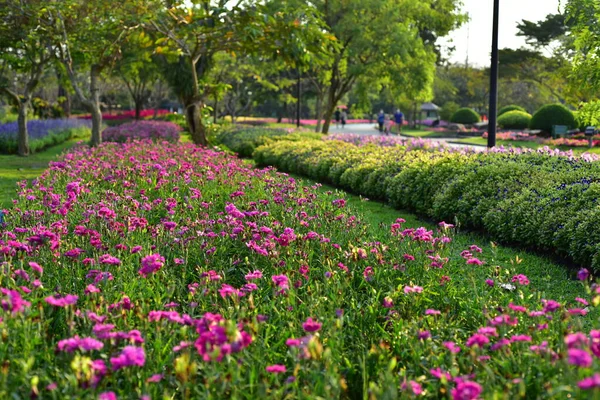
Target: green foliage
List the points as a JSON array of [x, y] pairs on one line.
[[534, 200], [550, 115], [7, 114], [588, 114], [465, 116], [512, 107], [448, 110], [514, 120], [9, 145]]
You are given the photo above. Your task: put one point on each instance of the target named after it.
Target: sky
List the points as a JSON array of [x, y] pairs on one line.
[[475, 37]]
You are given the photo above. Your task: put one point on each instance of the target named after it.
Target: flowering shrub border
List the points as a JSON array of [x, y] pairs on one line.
[[43, 133], [155, 130]]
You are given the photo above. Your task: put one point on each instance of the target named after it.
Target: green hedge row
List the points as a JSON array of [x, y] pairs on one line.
[[10, 145], [544, 202]]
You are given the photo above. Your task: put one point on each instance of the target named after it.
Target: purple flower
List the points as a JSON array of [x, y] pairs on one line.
[[151, 264], [590, 383], [477, 340], [129, 356], [81, 344], [583, 274], [107, 396], [580, 358], [452, 347], [311, 326], [14, 302], [521, 279], [466, 390]]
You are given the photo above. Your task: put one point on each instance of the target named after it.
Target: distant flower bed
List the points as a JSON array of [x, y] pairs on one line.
[[155, 130], [127, 115], [579, 140], [43, 133], [388, 141]]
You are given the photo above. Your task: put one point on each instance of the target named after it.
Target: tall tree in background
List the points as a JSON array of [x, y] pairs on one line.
[[89, 36], [25, 51], [374, 33]]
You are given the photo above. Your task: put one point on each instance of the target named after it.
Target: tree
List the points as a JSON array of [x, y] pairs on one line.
[[25, 51], [374, 33], [583, 16], [89, 36], [137, 70], [196, 30]]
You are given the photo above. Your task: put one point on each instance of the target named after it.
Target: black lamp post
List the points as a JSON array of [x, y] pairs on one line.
[[299, 97], [494, 80]]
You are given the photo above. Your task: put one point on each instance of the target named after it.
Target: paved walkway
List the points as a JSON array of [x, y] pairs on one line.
[[369, 129]]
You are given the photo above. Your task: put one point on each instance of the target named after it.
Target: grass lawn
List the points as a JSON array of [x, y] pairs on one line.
[[14, 169], [419, 133]]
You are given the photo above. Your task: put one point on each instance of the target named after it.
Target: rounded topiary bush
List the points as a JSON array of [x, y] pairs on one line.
[[465, 116], [514, 120], [552, 114], [512, 107]]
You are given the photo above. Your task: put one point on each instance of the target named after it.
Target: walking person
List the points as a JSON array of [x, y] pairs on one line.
[[337, 117], [344, 117], [380, 120], [399, 120]]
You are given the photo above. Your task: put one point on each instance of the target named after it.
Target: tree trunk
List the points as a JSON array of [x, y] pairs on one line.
[[94, 106], [319, 112], [216, 111], [138, 108], [194, 122], [23, 137], [331, 103]]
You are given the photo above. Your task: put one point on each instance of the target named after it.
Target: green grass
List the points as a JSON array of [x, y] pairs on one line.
[[419, 133], [14, 169], [555, 279]]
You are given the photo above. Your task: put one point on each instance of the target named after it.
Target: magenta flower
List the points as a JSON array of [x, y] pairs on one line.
[[276, 369], [155, 378], [517, 308], [580, 358], [387, 302], [474, 261], [452, 347], [520, 338], [577, 339], [489, 282], [414, 387], [466, 390], [423, 335], [477, 340], [36, 267], [151, 264], [432, 312], [583, 274], [521, 279], [107, 396], [440, 374], [58, 301], [488, 331], [311, 326], [592, 382], [109, 260], [254, 275], [81, 344], [14, 302], [228, 291], [129, 356]]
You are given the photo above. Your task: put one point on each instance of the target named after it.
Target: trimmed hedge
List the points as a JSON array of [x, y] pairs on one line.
[[514, 120], [244, 139], [539, 200], [552, 114], [465, 116], [511, 107]]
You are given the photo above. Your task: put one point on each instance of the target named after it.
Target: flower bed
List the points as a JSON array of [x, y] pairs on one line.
[[124, 115], [155, 130], [544, 199], [168, 270], [43, 133]]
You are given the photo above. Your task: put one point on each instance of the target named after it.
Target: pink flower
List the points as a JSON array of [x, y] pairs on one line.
[[151, 264], [590, 383], [500, 344], [65, 301], [387, 302], [580, 358], [474, 261], [489, 282], [107, 396], [517, 308], [15, 302], [466, 390], [424, 335], [155, 378], [432, 312], [129, 356], [550, 305], [477, 340], [413, 289], [488, 331], [440, 374], [582, 301], [254, 275], [520, 338], [36, 267], [91, 289], [228, 291], [281, 281], [577, 339], [368, 273], [276, 369], [521, 279], [415, 387], [452, 347], [311, 326], [81, 344]]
